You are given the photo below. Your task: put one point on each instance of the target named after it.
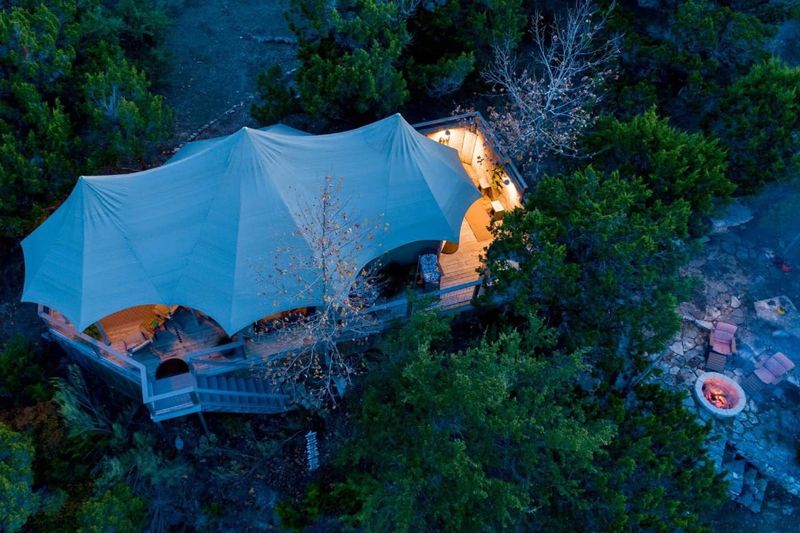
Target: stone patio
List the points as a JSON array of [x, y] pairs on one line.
[[740, 267]]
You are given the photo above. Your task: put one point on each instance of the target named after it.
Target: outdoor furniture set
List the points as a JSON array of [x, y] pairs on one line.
[[722, 345]]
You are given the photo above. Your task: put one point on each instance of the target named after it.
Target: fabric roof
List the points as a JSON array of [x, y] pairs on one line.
[[205, 229]]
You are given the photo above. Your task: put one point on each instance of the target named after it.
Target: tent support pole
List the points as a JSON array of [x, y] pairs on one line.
[[103, 333], [194, 315]]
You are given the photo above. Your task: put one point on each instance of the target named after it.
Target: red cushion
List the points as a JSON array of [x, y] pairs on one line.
[[724, 326], [783, 360], [775, 367], [721, 347], [765, 375]]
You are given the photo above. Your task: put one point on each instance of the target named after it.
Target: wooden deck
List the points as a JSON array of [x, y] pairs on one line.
[[462, 266], [183, 333]]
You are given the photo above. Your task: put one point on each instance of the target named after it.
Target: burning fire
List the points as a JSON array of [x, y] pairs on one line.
[[718, 396]]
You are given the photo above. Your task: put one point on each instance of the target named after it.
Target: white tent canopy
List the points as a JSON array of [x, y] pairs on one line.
[[197, 230]]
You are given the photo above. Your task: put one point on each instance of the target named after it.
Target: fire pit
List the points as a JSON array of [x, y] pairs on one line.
[[719, 394]]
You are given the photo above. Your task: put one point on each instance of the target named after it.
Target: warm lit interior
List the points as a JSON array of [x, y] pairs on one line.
[[498, 195]]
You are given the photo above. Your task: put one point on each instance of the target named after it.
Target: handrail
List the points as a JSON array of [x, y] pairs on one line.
[[170, 394], [71, 333], [227, 392], [403, 301], [214, 349], [143, 381], [124, 371]]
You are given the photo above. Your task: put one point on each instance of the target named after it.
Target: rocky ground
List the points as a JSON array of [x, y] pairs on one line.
[[754, 254]]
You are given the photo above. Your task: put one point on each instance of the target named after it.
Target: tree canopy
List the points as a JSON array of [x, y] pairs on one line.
[[17, 499], [598, 256], [70, 102], [759, 123], [673, 164]]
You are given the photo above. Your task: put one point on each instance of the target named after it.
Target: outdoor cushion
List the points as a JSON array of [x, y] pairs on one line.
[[722, 338], [775, 367], [783, 360], [765, 375]]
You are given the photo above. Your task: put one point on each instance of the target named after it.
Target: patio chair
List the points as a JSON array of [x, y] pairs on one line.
[[770, 372], [723, 338], [722, 343]]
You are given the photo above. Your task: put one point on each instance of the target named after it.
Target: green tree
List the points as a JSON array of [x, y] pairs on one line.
[[125, 118], [464, 441], [461, 32], [35, 131], [598, 257], [759, 122], [69, 100], [674, 164], [117, 510], [276, 98], [17, 499], [682, 58], [656, 474], [351, 57], [22, 378]]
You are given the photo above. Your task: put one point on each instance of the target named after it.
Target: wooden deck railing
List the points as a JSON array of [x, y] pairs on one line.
[[201, 363], [475, 119]]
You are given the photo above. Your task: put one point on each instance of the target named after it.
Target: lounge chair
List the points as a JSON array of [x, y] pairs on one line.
[[770, 372], [722, 343], [723, 338]]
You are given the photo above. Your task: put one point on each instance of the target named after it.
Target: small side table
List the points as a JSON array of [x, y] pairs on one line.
[[497, 210]]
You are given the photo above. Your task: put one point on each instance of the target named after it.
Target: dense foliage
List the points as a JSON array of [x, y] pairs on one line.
[[116, 510], [362, 59], [681, 56], [655, 475], [24, 378], [351, 57], [598, 256], [72, 99], [17, 499], [464, 440], [673, 164], [759, 122], [500, 437]]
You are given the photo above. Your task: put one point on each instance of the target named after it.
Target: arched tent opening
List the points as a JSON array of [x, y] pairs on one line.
[[171, 367], [165, 329]]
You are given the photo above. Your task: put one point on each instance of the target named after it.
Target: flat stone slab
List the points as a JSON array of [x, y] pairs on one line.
[[735, 214], [780, 312]]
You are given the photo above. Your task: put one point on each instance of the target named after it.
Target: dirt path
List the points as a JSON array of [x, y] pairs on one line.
[[217, 49]]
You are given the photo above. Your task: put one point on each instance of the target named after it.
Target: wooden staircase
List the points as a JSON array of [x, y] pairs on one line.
[[218, 394]]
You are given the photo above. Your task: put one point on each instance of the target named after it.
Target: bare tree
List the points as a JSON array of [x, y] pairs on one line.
[[333, 274], [550, 97]]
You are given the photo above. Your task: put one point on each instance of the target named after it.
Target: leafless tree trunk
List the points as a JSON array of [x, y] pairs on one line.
[[315, 365], [549, 98]]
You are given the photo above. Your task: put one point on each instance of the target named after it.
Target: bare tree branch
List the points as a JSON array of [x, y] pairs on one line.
[[549, 100], [333, 273]]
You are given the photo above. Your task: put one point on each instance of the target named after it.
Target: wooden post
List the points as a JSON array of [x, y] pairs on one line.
[[203, 422], [477, 290], [409, 308]]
